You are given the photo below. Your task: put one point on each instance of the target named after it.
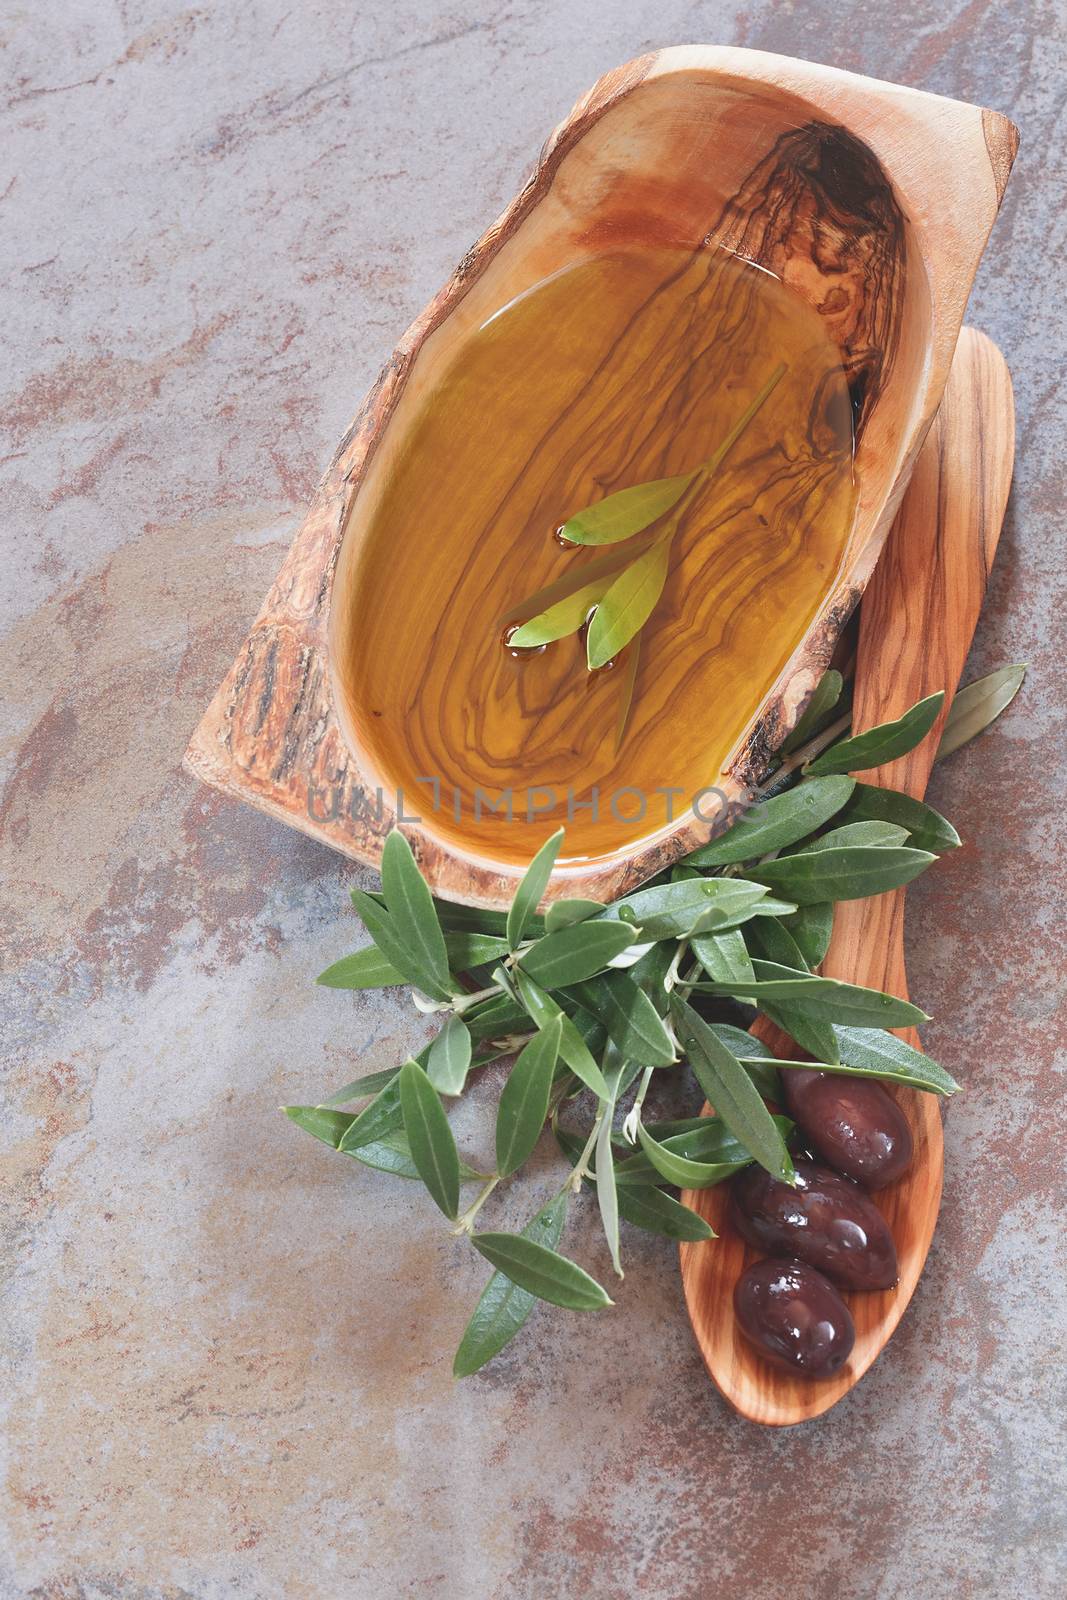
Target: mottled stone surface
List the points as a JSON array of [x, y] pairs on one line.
[[227, 1351]]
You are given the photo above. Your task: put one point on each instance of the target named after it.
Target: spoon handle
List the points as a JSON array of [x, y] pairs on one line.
[[916, 624]]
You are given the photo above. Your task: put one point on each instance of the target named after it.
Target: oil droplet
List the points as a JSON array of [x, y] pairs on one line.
[[521, 650]]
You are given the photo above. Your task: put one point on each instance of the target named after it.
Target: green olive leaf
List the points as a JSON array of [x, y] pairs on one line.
[[365, 969], [383, 1115], [467, 949], [360, 1088], [977, 705], [627, 605], [823, 700], [395, 947], [571, 1146], [650, 973], [757, 1058], [701, 1139], [449, 1058], [724, 956], [564, 913], [731, 1091], [575, 953], [391, 1153], [774, 824], [884, 743], [825, 999], [471, 919], [814, 1036], [649, 1208], [874, 832], [504, 979], [771, 940], [413, 917], [592, 1035], [876, 1053], [811, 928], [927, 828], [573, 1048], [681, 1170], [689, 905], [579, 577], [433, 1149], [496, 1018], [619, 516], [707, 1139], [534, 883], [541, 1271], [369, 969], [561, 619], [524, 1099], [606, 1190], [851, 873], [633, 1024], [504, 1308], [764, 1075], [739, 902], [322, 1122], [935, 1081], [742, 1044]]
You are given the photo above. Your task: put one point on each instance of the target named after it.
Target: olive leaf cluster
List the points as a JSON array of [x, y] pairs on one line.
[[589, 1002]]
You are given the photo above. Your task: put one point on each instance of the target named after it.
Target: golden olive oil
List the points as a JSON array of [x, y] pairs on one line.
[[628, 367]]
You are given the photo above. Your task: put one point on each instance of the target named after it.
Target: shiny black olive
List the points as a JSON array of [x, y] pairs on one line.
[[827, 1221], [795, 1317], [852, 1123]]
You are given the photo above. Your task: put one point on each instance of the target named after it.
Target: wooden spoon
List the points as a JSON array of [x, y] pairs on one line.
[[918, 615]]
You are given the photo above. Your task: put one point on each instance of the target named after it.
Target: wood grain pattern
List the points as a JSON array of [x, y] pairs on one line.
[[667, 149], [917, 620], [629, 367]]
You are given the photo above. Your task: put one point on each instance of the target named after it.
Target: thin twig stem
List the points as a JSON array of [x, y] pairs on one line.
[[807, 752], [466, 1221]]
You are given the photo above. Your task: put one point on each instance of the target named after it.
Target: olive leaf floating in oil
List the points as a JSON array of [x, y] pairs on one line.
[[584, 1024], [627, 604], [616, 602], [619, 516]]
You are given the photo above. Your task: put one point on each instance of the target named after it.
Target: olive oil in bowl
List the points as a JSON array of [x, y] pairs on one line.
[[629, 367]]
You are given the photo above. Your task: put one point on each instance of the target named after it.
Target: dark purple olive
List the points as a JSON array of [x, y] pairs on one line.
[[795, 1317], [827, 1221], [853, 1124]]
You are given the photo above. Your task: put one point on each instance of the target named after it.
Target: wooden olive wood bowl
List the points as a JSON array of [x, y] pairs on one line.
[[916, 623], [872, 201]]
